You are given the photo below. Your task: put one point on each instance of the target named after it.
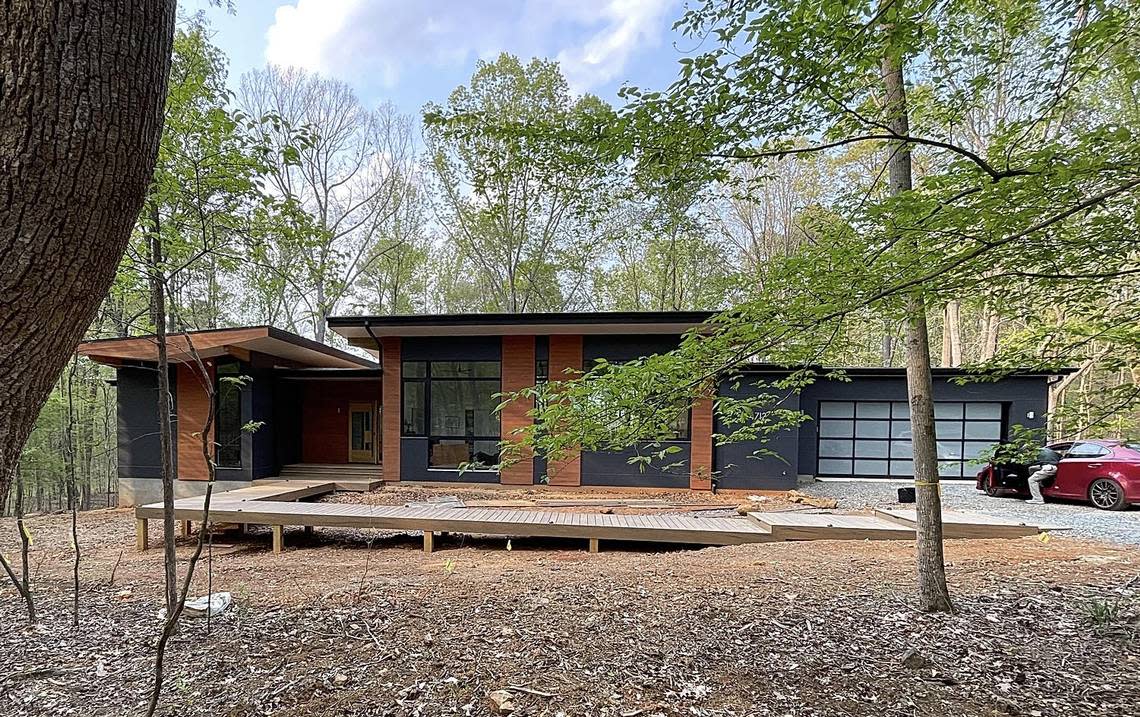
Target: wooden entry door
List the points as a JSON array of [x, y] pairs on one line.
[[362, 433]]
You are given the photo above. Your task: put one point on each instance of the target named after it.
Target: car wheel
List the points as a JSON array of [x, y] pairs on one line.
[[992, 490], [1106, 494]]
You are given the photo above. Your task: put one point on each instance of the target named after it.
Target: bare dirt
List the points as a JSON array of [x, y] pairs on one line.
[[354, 623]]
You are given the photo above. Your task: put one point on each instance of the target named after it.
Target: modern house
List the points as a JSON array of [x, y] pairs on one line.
[[427, 406]]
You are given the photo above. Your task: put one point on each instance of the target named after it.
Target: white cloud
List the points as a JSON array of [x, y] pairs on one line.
[[630, 25], [385, 39], [300, 33]]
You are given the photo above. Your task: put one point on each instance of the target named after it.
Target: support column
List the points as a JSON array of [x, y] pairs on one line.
[[701, 445], [142, 534], [278, 539], [429, 541], [565, 352], [518, 373], [391, 407]]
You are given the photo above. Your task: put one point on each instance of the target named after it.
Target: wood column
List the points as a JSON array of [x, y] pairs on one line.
[[701, 445], [565, 352], [518, 373], [192, 408], [391, 408]]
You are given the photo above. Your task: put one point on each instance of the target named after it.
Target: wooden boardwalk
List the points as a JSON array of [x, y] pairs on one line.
[[274, 504]]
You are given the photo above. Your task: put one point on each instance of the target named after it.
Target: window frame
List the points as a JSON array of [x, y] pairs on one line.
[[425, 381], [1103, 450]]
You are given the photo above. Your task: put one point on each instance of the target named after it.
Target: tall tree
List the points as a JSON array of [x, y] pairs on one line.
[[346, 180], [81, 91], [513, 209]]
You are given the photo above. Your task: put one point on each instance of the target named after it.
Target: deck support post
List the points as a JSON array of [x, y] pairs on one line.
[[278, 538], [429, 541], [142, 534], [308, 531], [594, 545], [184, 528]]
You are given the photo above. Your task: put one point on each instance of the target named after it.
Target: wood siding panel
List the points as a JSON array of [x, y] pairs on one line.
[[518, 373], [565, 352], [324, 417], [192, 402], [701, 447], [391, 406]]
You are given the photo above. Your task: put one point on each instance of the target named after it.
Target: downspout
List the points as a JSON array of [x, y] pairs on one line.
[[376, 339]]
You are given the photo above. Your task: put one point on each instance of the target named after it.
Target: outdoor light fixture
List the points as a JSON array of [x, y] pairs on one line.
[[1031, 414]]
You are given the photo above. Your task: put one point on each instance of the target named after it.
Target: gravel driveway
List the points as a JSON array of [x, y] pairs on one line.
[[1084, 521]]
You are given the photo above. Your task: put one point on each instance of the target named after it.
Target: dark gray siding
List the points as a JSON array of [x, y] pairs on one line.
[[616, 348], [449, 348], [263, 458], [614, 468], [287, 410], [137, 411], [737, 465]]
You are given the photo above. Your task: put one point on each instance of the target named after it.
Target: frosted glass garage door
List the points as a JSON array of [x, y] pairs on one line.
[[873, 438]]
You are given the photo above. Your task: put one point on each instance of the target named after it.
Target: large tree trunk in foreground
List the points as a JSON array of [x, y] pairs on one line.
[[933, 594], [82, 86]]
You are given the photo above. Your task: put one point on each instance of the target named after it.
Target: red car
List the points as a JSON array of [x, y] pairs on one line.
[[1105, 473]]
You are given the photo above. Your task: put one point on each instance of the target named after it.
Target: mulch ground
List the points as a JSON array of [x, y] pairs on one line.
[[353, 623]]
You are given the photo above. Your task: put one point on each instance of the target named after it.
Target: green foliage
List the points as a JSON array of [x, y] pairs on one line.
[[1021, 447]]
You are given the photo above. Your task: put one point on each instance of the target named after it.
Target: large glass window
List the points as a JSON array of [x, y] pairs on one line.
[[873, 438], [452, 404], [227, 418]]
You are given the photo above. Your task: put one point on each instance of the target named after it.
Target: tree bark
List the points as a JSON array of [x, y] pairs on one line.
[[82, 86], [933, 595]]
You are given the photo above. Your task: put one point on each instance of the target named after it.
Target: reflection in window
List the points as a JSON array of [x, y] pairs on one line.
[[227, 424], [873, 438]]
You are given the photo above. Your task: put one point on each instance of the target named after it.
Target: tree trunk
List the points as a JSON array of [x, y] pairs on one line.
[[933, 594], [954, 331], [82, 86], [990, 335], [165, 439]]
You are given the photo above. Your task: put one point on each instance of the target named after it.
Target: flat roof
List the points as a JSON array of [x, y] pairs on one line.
[[895, 371], [356, 328], [208, 343]]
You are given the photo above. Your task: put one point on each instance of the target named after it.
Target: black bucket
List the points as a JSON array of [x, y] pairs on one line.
[[906, 495]]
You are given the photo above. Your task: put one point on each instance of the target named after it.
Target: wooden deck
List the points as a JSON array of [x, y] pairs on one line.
[[274, 504]]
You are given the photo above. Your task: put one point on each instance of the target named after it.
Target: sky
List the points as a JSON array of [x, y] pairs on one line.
[[411, 52]]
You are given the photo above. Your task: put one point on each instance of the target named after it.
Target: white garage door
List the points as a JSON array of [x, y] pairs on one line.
[[872, 438]]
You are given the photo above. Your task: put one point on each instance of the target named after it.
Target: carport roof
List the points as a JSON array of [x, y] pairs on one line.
[[293, 350]]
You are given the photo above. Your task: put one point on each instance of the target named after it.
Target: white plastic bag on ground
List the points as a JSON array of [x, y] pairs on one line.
[[215, 604]]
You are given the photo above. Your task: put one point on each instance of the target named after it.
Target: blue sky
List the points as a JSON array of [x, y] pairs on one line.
[[411, 52]]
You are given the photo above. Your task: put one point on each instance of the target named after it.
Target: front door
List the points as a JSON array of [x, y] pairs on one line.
[[361, 433]]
